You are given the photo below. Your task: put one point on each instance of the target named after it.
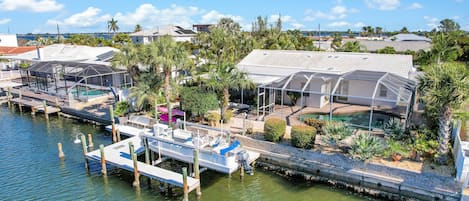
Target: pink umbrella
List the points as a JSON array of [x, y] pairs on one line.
[[174, 112], [164, 118]]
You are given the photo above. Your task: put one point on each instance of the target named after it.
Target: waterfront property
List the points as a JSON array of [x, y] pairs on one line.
[[73, 81], [320, 79], [177, 33]]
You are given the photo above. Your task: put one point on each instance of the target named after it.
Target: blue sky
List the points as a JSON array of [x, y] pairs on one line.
[[41, 16]]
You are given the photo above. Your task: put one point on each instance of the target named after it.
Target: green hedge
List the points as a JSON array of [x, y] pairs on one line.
[[227, 116], [316, 123], [303, 136], [274, 129]]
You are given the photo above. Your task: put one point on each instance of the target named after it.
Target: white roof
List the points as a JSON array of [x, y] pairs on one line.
[[65, 52], [408, 37], [286, 62], [171, 30]]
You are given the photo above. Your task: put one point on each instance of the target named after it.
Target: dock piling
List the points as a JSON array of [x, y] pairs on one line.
[[185, 187], [8, 96], [103, 160], [147, 151], [196, 170], [61, 153], [85, 151], [111, 113], [118, 135], [44, 104], [57, 105], [241, 172], [19, 102], [136, 174], [90, 140]]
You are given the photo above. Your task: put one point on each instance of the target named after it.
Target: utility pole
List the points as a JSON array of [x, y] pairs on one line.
[[319, 34]]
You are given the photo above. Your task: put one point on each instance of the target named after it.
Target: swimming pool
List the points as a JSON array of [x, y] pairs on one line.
[[358, 119], [91, 92]]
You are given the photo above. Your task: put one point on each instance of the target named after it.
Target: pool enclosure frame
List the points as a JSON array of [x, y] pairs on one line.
[[401, 87], [53, 76]]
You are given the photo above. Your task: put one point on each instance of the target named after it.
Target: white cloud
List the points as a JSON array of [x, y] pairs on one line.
[[359, 24], [91, 17], [30, 5], [284, 18], [432, 22], [336, 12], [383, 4], [5, 20], [150, 16], [339, 24], [455, 17], [297, 25], [414, 6], [213, 16]]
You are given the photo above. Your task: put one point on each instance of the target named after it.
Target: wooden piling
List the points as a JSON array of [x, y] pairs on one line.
[[85, 151], [147, 151], [111, 113], [118, 133], [90, 140], [103, 160], [57, 105], [44, 104], [131, 150], [185, 186], [196, 170], [8, 96], [61, 153], [19, 102], [136, 174], [241, 171]]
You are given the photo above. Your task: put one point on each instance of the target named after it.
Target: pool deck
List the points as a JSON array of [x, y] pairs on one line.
[[292, 113]]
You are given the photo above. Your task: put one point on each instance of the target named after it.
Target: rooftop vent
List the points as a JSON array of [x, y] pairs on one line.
[[365, 58]]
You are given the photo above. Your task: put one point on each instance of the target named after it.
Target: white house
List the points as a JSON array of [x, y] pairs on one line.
[[176, 32], [8, 40], [322, 78]]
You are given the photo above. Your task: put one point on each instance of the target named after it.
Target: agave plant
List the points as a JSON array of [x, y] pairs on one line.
[[393, 127], [335, 132], [365, 147]]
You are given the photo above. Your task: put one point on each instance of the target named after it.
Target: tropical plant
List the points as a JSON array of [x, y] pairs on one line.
[[394, 147], [129, 57], [393, 128], [137, 28], [147, 90], [448, 25], [112, 26], [213, 118], [274, 129], [121, 39], [404, 30], [293, 97], [335, 132], [197, 101], [224, 77], [444, 88], [303, 136], [365, 147], [386, 50], [121, 108], [444, 47], [227, 115], [350, 46]]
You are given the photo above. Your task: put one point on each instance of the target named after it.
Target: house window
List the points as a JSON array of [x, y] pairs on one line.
[[383, 91], [343, 90]]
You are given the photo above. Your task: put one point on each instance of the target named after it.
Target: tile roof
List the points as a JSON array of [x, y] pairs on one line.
[[15, 50]]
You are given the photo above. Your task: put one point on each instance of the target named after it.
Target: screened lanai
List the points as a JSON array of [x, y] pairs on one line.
[[72, 80], [376, 90]]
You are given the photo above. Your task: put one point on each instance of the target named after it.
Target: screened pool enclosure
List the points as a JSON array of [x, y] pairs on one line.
[[74, 81], [380, 91]]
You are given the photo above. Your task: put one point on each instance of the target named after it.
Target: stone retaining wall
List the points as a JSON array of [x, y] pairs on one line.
[[338, 170]]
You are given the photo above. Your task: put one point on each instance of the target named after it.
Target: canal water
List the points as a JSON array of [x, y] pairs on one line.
[[30, 170]]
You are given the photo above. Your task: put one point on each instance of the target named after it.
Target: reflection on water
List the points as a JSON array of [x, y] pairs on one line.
[[31, 170]]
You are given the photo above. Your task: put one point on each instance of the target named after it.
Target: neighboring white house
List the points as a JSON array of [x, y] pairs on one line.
[[321, 78], [408, 37], [8, 40], [176, 32], [64, 52]]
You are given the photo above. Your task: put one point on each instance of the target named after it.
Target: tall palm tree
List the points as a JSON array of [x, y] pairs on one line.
[[165, 55], [445, 87], [224, 77], [112, 26], [137, 28], [444, 47], [147, 90], [129, 56]]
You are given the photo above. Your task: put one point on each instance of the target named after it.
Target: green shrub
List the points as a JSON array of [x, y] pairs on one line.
[[121, 108], [274, 129], [424, 144], [316, 123], [303, 136], [213, 118], [227, 116], [335, 132], [365, 147], [396, 147], [197, 101]]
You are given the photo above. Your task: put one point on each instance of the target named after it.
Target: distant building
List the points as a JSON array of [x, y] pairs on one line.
[[176, 32], [201, 27], [8, 40], [399, 46], [408, 37]]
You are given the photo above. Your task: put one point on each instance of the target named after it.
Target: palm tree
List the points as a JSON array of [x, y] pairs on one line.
[[137, 28], [404, 30], [112, 26], [444, 47], [379, 31], [165, 55], [224, 77], [351, 46], [129, 56], [148, 89], [445, 87]]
